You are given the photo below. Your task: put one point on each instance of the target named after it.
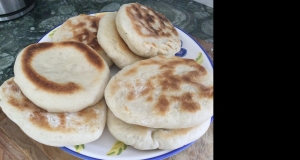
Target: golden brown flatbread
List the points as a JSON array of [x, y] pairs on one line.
[[82, 28], [113, 44], [145, 138], [162, 92], [54, 129], [147, 32], [62, 76]]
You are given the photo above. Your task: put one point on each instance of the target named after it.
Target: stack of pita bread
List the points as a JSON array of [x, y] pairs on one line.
[[157, 100], [136, 32], [62, 95], [56, 95], [162, 102]]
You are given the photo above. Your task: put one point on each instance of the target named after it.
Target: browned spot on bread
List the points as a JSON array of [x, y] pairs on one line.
[[206, 92], [148, 88], [130, 96], [89, 54], [138, 89], [13, 86], [114, 87], [192, 75], [41, 118], [132, 71], [85, 31], [177, 87], [29, 53], [148, 62], [169, 81], [88, 114], [62, 119], [188, 103], [170, 133], [149, 23], [149, 99], [201, 70], [32, 50], [10, 82], [37, 115], [21, 105], [162, 106]]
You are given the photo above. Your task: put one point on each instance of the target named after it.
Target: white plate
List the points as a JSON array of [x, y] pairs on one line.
[[101, 147]]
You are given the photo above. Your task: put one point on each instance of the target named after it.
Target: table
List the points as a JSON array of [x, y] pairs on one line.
[[193, 17]]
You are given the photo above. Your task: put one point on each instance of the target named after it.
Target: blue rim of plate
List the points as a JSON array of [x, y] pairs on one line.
[[163, 156], [166, 155]]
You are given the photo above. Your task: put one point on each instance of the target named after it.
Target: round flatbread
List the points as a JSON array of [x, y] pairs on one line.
[[82, 28], [147, 32], [145, 138], [113, 44], [162, 92], [61, 76], [54, 129]]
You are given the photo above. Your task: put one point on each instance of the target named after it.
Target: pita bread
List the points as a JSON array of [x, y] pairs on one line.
[[162, 92], [145, 138], [113, 44], [147, 32], [82, 28], [54, 129], [61, 76]]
